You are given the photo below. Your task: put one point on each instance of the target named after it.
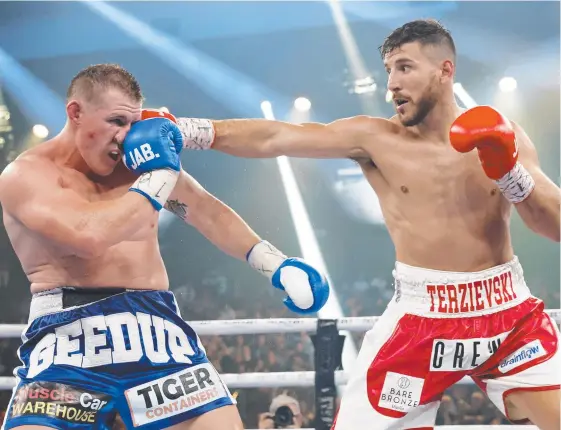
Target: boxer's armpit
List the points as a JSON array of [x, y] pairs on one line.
[[178, 208]]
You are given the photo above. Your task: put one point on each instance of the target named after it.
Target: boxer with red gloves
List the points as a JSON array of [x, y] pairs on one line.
[[460, 288]]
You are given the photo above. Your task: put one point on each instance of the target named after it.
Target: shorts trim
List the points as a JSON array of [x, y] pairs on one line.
[[36, 420], [186, 416], [517, 389]]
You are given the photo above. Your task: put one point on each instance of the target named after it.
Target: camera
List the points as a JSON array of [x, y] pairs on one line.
[[283, 417]]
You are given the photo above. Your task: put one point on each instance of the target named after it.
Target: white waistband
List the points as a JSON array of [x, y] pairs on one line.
[[51, 301], [44, 303], [460, 293]]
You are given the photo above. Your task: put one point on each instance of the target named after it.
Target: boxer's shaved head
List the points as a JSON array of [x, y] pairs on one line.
[[427, 32], [90, 82]]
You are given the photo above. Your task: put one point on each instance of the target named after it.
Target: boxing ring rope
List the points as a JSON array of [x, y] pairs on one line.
[[276, 326], [260, 326]]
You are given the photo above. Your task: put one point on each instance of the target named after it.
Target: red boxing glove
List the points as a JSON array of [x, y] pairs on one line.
[[153, 113], [484, 128]]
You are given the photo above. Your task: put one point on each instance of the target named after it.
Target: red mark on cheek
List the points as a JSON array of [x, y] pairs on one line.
[[91, 135]]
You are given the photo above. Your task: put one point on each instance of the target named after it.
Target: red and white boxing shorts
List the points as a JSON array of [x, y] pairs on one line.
[[441, 327]]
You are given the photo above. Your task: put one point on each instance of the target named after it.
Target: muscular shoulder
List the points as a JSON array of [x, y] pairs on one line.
[[30, 163], [29, 169], [369, 132], [364, 125]]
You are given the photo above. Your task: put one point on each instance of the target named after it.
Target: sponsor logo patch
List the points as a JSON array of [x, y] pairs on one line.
[[401, 392], [463, 354], [58, 401], [523, 355], [175, 394]]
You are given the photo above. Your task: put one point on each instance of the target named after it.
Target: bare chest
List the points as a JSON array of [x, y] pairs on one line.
[[435, 176]]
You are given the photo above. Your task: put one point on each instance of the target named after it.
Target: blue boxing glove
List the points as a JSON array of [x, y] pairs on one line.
[[306, 287], [151, 149]]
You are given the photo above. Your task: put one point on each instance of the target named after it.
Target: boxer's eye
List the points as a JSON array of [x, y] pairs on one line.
[[118, 121]]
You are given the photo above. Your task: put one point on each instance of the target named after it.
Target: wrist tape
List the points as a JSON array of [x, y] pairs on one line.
[[156, 186], [197, 133], [517, 184], [265, 258]]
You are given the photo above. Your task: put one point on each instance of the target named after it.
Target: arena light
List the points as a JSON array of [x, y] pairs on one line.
[[508, 84], [308, 242], [267, 109], [40, 131], [463, 95], [302, 104], [389, 96], [364, 85], [36, 100]]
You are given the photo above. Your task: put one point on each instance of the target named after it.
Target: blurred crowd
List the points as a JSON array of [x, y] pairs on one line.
[[260, 407]]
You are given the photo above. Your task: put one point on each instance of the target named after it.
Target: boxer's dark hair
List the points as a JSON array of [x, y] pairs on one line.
[[101, 76], [424, 31]]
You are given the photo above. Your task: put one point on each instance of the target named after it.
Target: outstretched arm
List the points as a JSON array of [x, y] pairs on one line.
[[540, 211], [261, 138]]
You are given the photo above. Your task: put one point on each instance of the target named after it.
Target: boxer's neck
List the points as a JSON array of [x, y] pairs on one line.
[[435, 127], [67, 152]]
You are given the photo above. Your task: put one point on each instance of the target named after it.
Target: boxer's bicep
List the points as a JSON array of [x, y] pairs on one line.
[[541, 210], [528, 157]]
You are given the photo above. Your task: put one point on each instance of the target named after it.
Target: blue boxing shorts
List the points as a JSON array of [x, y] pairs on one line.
[[90, 354]]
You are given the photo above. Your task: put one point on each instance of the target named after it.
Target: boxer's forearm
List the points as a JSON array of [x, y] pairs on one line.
[[259, 138], [224, 228], [212, 218], [540, 211], [254, 138]]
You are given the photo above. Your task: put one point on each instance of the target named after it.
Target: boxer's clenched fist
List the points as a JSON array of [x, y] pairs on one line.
[[485, 129], [306, 287]]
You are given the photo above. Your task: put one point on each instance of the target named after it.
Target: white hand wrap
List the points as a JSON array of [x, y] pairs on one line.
[[517, 184], [156, 186], [265, 258], [197, 133]]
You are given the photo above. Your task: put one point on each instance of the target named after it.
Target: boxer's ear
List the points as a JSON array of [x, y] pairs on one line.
[[447, 70], [74, 111]]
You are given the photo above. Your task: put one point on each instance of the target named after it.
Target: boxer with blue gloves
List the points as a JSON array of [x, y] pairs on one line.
[[105, 334]]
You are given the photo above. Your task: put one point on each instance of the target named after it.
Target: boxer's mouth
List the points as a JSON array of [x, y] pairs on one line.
[[115, 155], [400, 102]]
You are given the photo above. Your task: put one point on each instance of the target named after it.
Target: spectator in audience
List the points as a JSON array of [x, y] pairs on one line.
[[284, 413]]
